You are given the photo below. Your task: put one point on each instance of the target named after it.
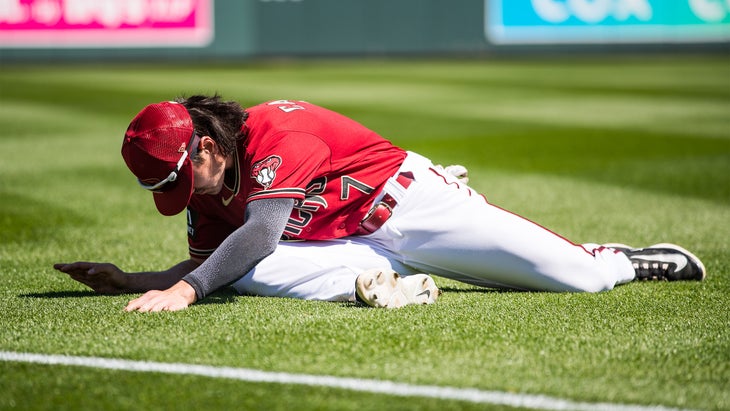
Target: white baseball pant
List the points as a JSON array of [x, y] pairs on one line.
[[439, 226]]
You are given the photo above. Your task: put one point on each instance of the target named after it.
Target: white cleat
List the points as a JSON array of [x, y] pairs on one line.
[[384, 288], [456, 170]]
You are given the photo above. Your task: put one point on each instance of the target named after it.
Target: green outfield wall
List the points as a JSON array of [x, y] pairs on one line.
[[224, 29]]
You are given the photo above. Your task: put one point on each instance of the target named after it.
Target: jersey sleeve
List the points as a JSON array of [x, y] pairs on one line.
[[284, 168]]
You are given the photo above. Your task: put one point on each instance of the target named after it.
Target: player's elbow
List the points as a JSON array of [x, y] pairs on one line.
[[269, 249]]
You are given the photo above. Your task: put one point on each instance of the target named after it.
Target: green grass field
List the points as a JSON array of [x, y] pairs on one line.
[[615, 149]]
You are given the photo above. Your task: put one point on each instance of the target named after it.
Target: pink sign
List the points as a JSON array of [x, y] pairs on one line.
[[106, 23]]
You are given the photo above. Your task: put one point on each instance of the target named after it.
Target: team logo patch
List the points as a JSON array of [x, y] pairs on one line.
[[264, 171]]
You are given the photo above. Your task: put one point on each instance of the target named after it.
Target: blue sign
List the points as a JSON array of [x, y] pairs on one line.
[[607, 21]]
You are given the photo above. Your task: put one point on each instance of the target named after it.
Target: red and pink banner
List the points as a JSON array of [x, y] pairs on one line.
[[106, 23]]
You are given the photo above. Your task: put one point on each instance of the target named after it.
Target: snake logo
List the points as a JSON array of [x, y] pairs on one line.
[[264, 171]]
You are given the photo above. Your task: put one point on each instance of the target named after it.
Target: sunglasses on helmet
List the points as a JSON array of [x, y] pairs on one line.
[[191, 150]]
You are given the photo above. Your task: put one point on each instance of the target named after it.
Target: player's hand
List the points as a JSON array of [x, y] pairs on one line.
[[104, 278], [175, 298]]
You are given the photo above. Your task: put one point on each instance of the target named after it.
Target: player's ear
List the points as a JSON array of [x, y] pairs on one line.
[[208, 144]]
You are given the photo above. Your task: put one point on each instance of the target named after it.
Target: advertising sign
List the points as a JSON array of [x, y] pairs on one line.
[[607, 21], [106, 23]]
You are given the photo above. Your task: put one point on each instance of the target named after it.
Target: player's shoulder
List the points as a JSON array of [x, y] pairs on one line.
[[286, 116], [283, 106]]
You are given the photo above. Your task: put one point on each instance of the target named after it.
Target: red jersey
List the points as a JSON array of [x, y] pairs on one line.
[[330, 165]]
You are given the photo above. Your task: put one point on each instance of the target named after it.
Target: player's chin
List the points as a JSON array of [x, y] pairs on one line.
[[207, 191]]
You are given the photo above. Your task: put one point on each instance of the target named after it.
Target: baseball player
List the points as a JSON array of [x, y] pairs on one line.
[[361, 219]]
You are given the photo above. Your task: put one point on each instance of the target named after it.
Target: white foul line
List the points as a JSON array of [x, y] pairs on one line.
[[539, 402]]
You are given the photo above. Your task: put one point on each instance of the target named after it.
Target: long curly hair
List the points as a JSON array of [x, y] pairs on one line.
[[221, 120]]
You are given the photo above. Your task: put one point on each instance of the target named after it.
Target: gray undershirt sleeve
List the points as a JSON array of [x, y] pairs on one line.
[[244, 248]]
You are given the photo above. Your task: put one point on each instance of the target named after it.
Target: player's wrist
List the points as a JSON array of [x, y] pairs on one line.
[[185, 290]]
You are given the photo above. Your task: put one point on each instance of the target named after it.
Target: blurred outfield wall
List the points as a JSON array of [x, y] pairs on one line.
[[224, 29]]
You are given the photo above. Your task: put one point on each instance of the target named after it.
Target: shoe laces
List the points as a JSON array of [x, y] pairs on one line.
[[653, 270]]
